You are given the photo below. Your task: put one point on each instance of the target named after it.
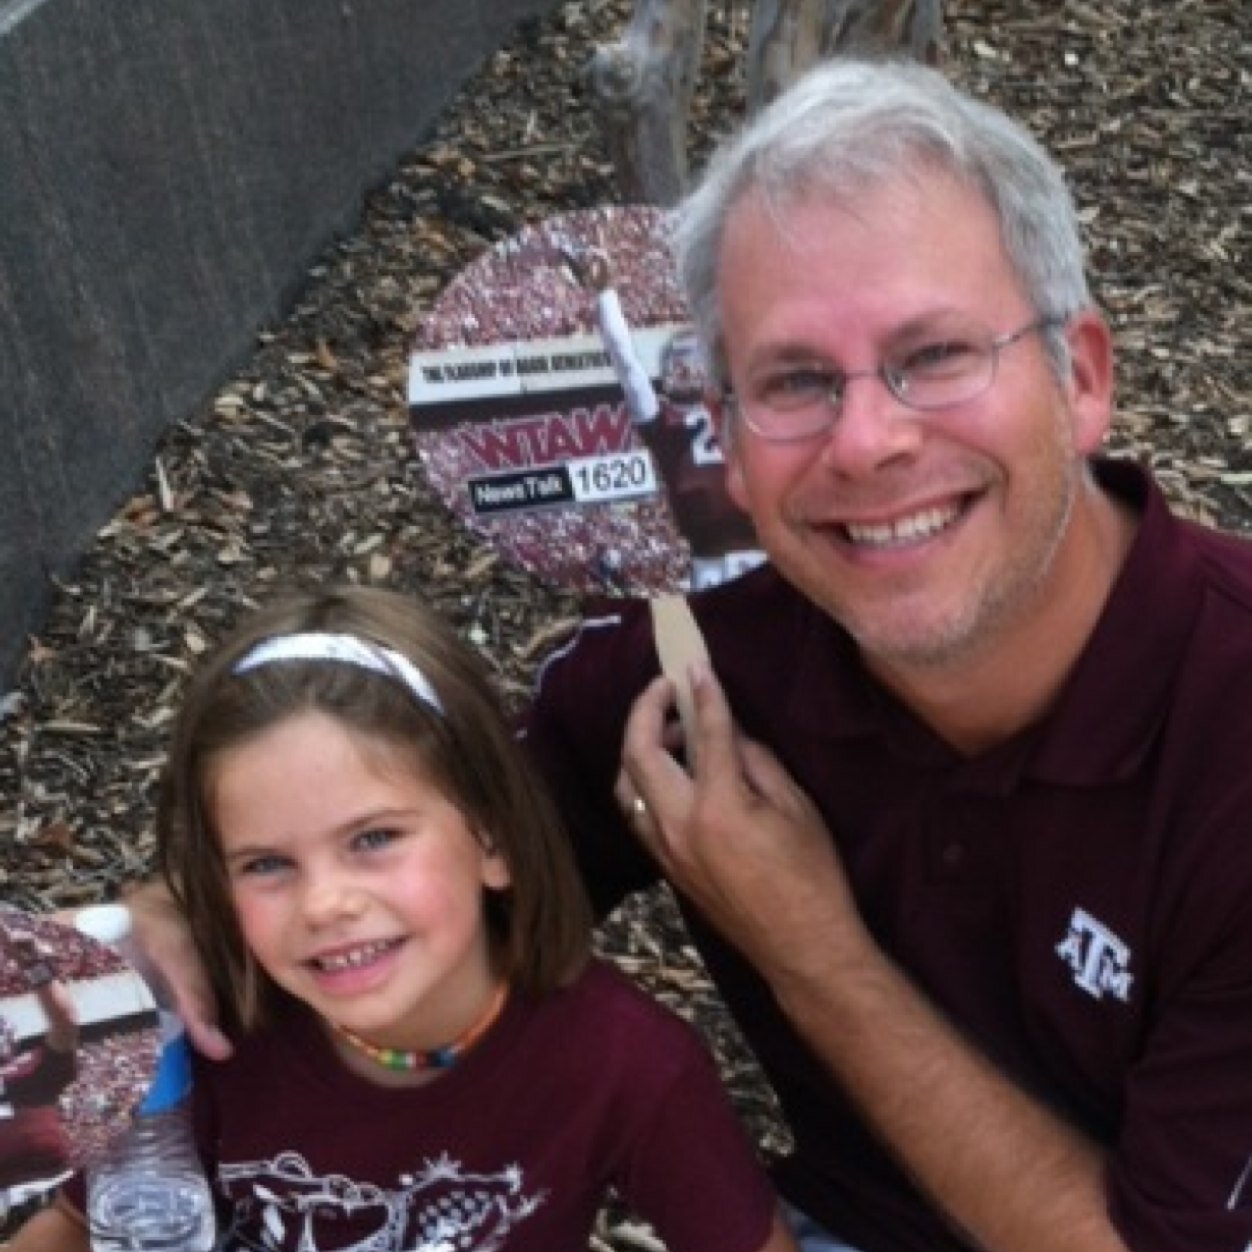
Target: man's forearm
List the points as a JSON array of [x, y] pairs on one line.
[[1009, 1173]]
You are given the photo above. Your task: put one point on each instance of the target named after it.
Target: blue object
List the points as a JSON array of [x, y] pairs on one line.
[[172, 1082]]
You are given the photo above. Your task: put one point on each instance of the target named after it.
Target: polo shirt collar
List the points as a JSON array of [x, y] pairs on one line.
[[1105, 717]]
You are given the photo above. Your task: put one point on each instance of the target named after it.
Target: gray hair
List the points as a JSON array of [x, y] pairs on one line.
[[848, 125]]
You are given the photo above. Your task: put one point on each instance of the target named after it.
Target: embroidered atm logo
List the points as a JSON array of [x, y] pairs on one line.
[[1099, 960]]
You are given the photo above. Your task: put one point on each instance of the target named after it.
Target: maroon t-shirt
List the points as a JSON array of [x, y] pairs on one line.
[[515, 1147], [1078, 900]]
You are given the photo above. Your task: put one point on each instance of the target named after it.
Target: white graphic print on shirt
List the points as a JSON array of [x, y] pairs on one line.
[[282, 1204]]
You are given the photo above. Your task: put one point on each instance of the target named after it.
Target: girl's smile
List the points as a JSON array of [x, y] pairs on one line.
[[349, 971]]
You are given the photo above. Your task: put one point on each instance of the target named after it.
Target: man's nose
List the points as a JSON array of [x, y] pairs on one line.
[[872, 426]]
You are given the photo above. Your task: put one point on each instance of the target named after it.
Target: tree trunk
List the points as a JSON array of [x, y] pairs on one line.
[[642, 87], [790, 36], [785, 39], [884, 27]]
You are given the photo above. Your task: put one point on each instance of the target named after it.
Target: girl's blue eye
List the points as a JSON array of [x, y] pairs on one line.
[[259, 866], [378, 838]]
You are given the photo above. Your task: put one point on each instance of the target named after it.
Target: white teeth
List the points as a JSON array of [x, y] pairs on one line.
[[350, 960], [906, 530]]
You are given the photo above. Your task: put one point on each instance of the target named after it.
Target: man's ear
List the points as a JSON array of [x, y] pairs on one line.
[[726, 431], [1090, 382]]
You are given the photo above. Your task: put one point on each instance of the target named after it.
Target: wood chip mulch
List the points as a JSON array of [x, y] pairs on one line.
[[301, 466]]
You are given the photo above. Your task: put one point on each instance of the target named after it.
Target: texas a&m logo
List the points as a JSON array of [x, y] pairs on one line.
[[1099, 959]]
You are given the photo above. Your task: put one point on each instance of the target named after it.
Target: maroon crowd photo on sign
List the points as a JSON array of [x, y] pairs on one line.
[[79, 1041], [556, 398]]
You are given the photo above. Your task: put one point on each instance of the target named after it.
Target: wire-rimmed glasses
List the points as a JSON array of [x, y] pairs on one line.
[[951, 366]]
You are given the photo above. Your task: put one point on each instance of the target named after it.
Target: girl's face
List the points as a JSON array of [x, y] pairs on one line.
[[358, 885]]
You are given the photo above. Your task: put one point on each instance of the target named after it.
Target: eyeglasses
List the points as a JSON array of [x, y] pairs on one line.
[[952, 366]]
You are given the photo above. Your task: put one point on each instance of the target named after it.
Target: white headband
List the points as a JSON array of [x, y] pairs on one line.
[[317, 646]]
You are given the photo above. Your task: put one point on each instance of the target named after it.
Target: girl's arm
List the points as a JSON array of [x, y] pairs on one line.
[[54, 1229]]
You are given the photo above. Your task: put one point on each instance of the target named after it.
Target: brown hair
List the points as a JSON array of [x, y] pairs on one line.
[[541, 923]]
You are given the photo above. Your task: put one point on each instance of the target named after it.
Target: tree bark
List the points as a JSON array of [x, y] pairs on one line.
[[642, 87], [789, 36], [883, 27], [785, 39]]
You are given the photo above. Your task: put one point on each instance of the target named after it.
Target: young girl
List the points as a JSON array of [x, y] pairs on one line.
[[425, 1056]]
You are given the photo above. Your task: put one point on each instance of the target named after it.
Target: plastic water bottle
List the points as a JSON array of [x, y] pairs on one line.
[[149, 1193]]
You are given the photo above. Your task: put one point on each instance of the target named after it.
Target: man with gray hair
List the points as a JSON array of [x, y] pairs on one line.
[[965, 848]]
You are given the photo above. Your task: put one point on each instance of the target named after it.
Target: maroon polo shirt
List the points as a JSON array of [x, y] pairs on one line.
[[1077, 900]]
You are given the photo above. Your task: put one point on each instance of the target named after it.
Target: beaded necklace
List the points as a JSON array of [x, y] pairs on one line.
[[437, 1058]]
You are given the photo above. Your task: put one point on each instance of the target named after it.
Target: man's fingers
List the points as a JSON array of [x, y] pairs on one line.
[[647, 750], [205, 1036], [717, 738], [161, 933], [196, 1006], [649, 772], [646, 724], [766, 775]]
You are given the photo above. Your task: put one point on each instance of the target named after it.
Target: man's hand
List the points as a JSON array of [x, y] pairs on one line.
[[738, 837], [161, 931]]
